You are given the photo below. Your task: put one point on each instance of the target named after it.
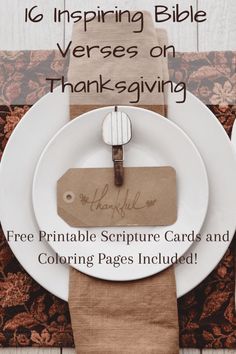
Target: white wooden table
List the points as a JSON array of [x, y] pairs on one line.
[[218, 33]]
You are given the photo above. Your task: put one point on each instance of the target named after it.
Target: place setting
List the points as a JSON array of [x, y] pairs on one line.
[[137, 155], [120, 197]]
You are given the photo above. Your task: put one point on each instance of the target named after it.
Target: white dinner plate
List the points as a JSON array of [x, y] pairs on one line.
[[155, 142], [39, 125]]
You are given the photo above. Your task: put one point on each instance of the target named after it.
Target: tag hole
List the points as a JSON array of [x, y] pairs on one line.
[[69, 197]]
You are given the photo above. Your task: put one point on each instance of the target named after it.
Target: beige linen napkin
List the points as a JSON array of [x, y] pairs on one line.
[[116, 69], [121, 317]]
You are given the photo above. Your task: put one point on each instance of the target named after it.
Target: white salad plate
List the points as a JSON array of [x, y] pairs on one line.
[[156, 142], [43, 121]]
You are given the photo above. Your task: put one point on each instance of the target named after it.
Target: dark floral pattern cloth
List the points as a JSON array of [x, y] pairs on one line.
[[29, 315]]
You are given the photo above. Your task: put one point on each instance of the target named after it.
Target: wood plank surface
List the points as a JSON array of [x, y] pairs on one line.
[[219, 351], [15, 34], [219, 32], [30, 351]]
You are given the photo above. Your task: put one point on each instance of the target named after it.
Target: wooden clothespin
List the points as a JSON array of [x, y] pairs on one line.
[[117, 131]]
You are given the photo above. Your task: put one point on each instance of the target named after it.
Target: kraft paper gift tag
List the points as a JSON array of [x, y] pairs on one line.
[[101, 203], [121, 317]]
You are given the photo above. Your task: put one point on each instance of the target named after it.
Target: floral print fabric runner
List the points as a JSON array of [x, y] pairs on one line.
[[29, 315]]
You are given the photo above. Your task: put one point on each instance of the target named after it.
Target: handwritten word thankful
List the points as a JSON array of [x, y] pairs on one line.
[[125, 200]]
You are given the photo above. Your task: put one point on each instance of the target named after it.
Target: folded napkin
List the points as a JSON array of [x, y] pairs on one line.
[[121, 317], [113, 70]]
